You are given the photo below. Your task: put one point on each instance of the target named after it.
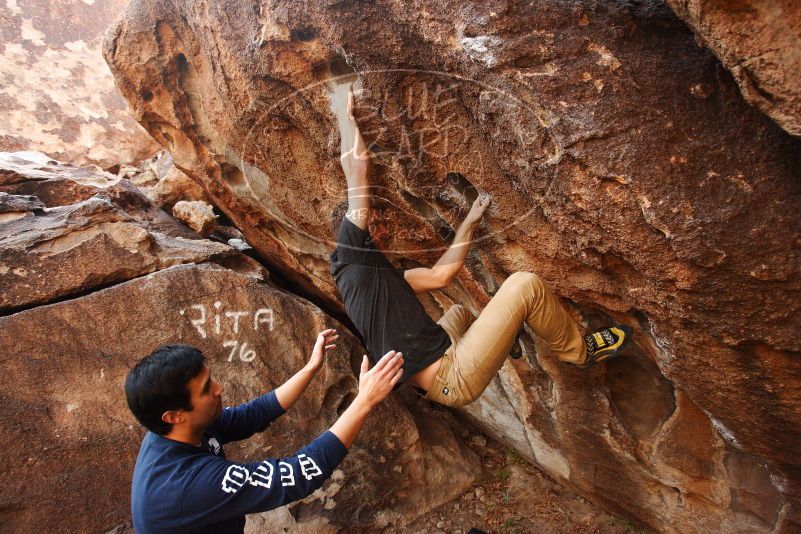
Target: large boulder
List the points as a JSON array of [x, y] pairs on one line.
[[53, 183], [90, 287], [71, 443], [90, 231], [77, 248], [760, 44], [627, 170], [58, 96]]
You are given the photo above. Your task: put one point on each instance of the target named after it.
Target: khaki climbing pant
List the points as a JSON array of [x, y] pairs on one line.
[[479, 346]]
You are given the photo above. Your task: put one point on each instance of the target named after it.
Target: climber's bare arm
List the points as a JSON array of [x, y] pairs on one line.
[[444, 271], [354, 158]]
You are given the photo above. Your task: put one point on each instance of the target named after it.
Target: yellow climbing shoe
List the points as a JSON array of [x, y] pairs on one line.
[[605, 344]]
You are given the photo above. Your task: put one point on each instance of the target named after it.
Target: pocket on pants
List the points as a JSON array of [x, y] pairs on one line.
[[443, 391], [450, 390]]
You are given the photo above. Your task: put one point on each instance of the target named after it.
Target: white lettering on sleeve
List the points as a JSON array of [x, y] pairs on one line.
[[287, 476], [263, 475], [235, 477], [308, 468], [214, 445]]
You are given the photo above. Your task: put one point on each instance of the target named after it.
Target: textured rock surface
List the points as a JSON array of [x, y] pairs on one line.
[[53, 183], [77, 248], [161, 181], [78, 309], [65, 403], [197, 215], [174, 187], [760, 43], [112, 236], [57, 95], [18, 206], [636, 195]]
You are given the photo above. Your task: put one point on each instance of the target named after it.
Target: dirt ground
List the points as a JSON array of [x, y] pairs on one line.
[[513, 496]]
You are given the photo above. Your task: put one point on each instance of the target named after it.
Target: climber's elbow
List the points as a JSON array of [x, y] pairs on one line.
[[442, 276], [423, 279]]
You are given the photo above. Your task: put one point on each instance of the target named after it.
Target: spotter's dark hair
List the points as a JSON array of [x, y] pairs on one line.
[[158, 383]]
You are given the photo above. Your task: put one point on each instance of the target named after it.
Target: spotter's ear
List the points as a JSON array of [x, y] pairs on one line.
[[173, 417]]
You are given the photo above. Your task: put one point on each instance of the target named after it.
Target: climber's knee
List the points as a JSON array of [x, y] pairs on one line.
[[523, 278]]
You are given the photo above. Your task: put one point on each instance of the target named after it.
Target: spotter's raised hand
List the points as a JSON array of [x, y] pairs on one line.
[[324, 344]]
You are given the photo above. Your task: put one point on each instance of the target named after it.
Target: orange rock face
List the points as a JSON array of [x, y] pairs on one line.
[[627, 170]]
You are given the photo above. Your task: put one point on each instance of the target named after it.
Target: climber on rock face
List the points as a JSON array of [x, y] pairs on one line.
[[182, 481], [455, 358]]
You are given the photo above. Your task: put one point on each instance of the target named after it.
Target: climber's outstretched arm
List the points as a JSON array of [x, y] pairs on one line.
[[444, 271], [354, 158]]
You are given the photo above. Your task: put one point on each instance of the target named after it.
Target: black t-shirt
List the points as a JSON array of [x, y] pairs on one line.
[[382, 304]]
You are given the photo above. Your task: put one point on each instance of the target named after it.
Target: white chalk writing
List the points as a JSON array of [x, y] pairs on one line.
[[229, 323], [199, 322], [263, 315], [244, 354], [236, 315]]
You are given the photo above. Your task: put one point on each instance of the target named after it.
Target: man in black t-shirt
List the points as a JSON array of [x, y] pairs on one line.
[[453, 359]]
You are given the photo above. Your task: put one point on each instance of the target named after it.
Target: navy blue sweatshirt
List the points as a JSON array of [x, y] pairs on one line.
[[178, 487]]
